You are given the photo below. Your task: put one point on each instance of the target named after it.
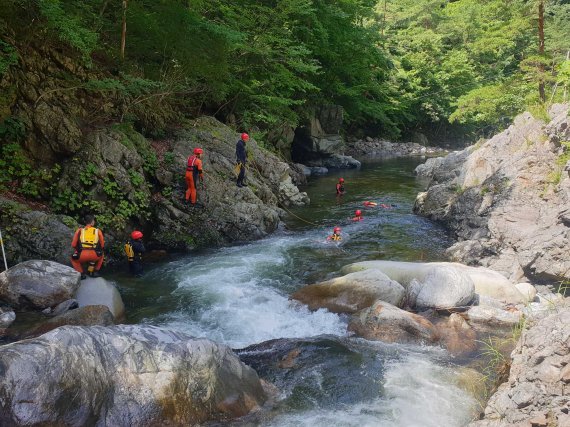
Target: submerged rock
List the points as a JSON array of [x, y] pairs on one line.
[[38, 284], [351, 293], [123, 375], [91, 315]]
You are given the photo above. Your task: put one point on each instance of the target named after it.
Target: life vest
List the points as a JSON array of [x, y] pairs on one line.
[[89, 238], [191, 163], [336, 237], [129, 251]]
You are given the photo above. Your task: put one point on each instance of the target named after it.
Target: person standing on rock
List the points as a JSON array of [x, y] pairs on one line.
[[134, 249], [88, 243], [340, 187], [241, 159], [194, 173]]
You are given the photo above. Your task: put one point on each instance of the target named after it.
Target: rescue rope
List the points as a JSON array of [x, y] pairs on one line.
[[297, 216]]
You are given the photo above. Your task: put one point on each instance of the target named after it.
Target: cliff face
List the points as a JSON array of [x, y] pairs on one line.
[[507, 199], [71, 145]]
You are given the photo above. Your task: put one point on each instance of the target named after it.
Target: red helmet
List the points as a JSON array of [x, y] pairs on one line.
[[336, 230], [198, 151], [341, 180], [244, 137], [136, 235], [358, 212]]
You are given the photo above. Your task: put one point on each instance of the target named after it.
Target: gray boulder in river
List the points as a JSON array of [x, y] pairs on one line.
[[507, 199], [123, 375], [38, 284]]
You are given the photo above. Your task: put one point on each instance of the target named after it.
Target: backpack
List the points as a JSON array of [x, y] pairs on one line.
[[129, 251]]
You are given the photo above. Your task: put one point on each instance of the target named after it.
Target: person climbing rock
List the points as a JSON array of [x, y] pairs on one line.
[[88, 243], [340, 187], [370, 204], [194, 173], [241, 159], [336, 235], [357, 215], [134, 248]]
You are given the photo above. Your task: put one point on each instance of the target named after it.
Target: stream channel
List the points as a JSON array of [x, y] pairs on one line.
[[239, 296]]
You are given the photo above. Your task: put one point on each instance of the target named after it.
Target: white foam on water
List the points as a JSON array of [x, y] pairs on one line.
[[238, 305], [417, 392]]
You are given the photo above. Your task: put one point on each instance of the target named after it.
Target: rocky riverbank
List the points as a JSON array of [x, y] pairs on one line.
[[506, 200], [377, 147]]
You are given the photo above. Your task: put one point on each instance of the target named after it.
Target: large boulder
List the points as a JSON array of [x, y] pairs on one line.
[[351, 293], [443, 287], [123, 375], [487, 282], [384, 322], [38, 284], [7, 317], [100, 292]]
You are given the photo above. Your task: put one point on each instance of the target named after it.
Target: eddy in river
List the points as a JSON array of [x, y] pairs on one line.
[[336, 235]]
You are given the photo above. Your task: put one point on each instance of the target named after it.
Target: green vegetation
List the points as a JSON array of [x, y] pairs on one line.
[[396, 66]]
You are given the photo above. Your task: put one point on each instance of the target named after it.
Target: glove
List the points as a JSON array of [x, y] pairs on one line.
[[75, 255]]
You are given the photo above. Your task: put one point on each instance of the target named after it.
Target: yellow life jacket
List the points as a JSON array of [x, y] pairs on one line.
[[129, 251], [89, 238], [336, 237]]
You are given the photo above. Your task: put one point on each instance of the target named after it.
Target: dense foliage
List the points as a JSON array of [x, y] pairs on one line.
[[396, 66]]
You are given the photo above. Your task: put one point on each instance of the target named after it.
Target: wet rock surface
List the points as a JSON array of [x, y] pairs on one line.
[[123, 375]]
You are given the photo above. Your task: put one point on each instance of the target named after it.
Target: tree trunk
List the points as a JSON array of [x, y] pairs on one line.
[[541, 91], [124, 31]]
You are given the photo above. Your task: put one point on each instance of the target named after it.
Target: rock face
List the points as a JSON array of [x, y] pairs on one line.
[[38, 284], [318, 142], [123, 375], [506, 199], [7, 317], [384, 322], [536, 393], [351, 293]]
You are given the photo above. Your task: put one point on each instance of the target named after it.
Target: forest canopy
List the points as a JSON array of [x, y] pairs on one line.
[[395, 66]]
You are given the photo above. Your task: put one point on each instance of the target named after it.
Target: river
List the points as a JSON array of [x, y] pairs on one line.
[[240, 296]]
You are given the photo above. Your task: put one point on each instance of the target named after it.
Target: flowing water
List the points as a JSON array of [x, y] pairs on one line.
[[240, 296]]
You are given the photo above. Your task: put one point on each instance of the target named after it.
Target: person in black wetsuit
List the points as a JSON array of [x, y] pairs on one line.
[[134, 249], [241, 159]]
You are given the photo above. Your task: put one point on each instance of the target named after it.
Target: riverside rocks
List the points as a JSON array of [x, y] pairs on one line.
[[383, 321], [378, 147], [506, 199], [100, 292], [442, 287], [123, 375], [38, 284], [350, 293], [536, 393]]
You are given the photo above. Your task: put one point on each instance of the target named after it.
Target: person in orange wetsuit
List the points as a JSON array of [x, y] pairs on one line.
[[194, 173], [357, 215], [340, 187], [370, 204], [88, 243]]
